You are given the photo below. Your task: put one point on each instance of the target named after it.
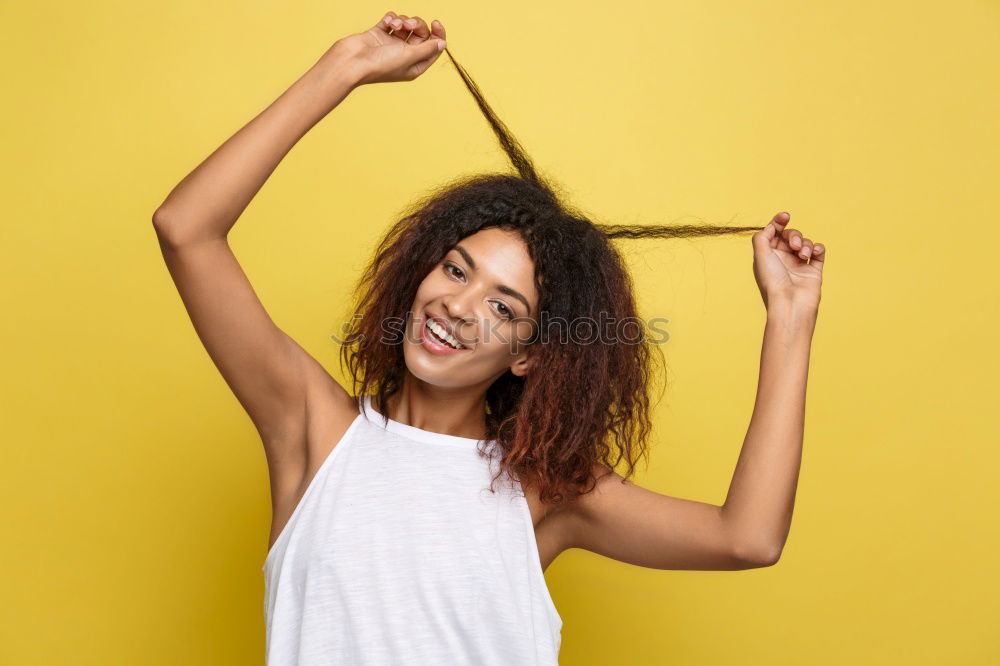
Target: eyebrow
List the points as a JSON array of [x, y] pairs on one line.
[[501, 287]]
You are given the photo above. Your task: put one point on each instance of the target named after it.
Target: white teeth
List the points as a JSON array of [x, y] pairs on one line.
[[443, 334]]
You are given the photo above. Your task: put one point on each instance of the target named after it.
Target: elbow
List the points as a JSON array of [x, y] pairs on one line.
[[176, 232], [758, 557], [160, 224], [159, 218], [771, 558]]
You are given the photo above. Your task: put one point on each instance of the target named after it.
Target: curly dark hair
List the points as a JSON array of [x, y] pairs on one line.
[[580, 404]]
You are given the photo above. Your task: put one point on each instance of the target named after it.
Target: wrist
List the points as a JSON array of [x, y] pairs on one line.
[[339, 68], [792, 311]]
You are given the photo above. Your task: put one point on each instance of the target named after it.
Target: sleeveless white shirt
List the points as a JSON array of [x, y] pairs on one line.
[[398, 553]]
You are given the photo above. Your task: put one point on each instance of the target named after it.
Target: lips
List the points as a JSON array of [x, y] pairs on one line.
[[448, 327], [444, 324]]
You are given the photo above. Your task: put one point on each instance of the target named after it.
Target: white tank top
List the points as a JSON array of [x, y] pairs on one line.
[[398, 553]]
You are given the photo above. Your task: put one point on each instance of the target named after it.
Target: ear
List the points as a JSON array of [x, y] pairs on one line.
[[521, 365]]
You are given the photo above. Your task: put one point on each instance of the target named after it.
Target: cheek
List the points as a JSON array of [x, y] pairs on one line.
[[432, 286], [508, 339], [522, 332], [427, 291], [425, 286]]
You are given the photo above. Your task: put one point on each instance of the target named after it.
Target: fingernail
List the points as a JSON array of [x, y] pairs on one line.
[[441, 44]]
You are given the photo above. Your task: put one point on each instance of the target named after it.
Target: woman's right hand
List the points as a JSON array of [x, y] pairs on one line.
[[377, 56]]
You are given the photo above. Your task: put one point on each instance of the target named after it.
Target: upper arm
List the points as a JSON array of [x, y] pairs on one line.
[[626, 522], [271, 375]]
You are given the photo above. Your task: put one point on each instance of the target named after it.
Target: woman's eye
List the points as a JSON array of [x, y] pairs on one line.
[[505, 311]]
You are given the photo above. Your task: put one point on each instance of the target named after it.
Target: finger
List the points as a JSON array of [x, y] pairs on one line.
[[793, 238], [406, 32], [437, 29], [778, 222], [818, 256], [425, 54], [762, 239], [420, 30], [398, 29], [781, 219], [385, 25], [406, 29], [807, 249]]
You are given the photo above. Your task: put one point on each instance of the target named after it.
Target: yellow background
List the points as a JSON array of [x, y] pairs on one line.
[[136, 506]]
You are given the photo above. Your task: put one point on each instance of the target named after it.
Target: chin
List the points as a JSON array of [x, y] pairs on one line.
[[443, 372], [427, 369]]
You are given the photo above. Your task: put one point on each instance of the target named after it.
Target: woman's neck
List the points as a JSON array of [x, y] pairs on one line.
[[457, 412]]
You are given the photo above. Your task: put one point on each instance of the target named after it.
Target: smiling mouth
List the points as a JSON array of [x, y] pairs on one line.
[[441, 336]]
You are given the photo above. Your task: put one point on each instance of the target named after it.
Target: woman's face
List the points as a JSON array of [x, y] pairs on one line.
[[483, 293]]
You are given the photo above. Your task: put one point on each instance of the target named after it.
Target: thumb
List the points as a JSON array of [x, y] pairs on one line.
[[427, 49], [762, 239]]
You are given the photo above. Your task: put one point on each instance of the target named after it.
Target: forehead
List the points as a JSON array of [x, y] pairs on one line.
[[498, 248], [501, 256]]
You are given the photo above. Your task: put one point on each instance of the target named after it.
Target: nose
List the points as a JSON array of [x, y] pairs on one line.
[[459, 308]]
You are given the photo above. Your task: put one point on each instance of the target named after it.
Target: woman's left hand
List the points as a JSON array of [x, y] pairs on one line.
[[787, 266]]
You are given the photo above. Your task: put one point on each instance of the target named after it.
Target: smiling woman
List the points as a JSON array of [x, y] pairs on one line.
[[391, 542]]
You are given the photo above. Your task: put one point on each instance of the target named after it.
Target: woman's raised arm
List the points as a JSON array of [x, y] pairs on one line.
[[277, 382], [632, 524]]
